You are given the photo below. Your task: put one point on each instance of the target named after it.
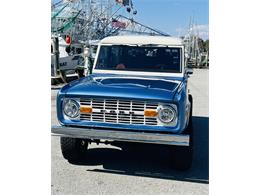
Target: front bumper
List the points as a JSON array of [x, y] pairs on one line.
[[116, 135]]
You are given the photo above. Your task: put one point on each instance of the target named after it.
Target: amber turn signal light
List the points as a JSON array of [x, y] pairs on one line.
[[150, 113], [85, 109]]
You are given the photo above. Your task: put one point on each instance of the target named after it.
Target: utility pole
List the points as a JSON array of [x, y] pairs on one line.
[[56, 53]]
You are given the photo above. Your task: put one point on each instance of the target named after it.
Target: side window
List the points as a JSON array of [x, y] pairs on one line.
[[75, 58], [78, 50]]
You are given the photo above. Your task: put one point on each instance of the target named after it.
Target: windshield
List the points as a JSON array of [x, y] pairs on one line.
[[139, 58]]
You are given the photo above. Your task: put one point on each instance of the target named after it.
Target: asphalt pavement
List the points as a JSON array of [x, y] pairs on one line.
[[146, 170]]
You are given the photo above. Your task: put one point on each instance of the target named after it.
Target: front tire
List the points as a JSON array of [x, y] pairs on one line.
[[73, 149], [182, 155]]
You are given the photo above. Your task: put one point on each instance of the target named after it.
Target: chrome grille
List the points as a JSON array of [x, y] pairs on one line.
[[118, 111]]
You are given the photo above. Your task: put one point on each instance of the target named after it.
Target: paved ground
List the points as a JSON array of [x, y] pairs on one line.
[[111, 170]]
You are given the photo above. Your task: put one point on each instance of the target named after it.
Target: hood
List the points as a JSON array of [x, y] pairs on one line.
[[116, 86]]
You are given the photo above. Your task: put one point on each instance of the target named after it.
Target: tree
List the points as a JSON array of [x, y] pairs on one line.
[[206, 45]]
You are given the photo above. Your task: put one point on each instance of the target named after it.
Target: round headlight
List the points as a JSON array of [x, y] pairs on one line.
[[167, 114], [71, 108]]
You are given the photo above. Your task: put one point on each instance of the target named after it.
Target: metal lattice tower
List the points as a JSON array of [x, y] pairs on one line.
[[95, 19], [80, 18]]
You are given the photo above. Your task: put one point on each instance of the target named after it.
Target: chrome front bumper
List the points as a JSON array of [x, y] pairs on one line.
[[115, 135]]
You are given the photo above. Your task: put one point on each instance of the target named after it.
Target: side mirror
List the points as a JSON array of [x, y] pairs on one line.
[[189, 71]]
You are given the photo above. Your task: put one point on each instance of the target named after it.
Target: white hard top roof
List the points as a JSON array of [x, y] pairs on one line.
[[142, 40]]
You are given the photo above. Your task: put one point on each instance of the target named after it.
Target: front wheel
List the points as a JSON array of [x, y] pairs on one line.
[[73, 149], [182, 155]]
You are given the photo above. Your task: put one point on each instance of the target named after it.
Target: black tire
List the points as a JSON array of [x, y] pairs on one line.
[[54, 81], [182, 155], [80, 73], [73, 149]]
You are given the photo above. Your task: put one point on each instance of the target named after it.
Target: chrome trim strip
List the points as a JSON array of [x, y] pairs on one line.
[[127, 136]]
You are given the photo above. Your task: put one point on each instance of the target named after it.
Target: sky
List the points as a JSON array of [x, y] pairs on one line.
[[173, 16]]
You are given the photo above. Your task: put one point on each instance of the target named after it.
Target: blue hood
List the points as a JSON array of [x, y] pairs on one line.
[[122, 86]]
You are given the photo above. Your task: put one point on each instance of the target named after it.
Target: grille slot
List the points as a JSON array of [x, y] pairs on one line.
[[118, 111]]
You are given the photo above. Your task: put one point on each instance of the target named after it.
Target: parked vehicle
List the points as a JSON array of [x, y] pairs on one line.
[[137, 92], [71, 59]]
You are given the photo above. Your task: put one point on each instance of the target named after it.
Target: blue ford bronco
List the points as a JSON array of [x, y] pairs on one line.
[[137, 92]]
